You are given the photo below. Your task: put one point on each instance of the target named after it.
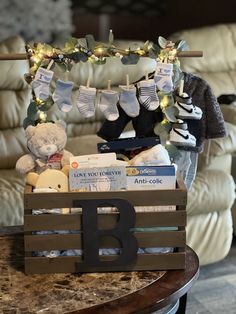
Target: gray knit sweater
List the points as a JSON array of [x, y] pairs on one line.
[[211, 124]]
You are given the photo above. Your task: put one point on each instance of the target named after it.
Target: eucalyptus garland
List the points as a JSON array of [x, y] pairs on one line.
[[88, 50]]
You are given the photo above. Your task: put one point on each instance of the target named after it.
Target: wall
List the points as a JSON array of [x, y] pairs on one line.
[[180, 15]]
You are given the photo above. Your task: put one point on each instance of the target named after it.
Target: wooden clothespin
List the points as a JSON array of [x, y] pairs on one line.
[[50, 64], [88, 82], [127, 81], [181, 87], [109, 85]]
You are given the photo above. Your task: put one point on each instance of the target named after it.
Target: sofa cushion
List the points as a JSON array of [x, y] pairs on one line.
[[216, 148], [11, 191], [12, 72], [212, 191], [83, 145], [224, 145], [218, 65], [210, 235], [229, 113]]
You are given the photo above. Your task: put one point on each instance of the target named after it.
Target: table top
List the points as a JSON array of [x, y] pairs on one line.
[[117, 292]]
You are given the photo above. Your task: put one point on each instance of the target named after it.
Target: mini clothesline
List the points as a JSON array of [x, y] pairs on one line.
[[25, 56]]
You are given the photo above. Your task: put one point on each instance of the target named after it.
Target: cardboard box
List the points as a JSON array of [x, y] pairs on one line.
[[93, 160], [98, 179], [127, 148], [151, 177]]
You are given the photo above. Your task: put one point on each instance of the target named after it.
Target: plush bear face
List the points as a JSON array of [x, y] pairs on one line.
[[46, 139], [52, 179]]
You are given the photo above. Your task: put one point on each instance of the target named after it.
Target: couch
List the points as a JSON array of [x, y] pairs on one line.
[[209, 229], [211, 196]]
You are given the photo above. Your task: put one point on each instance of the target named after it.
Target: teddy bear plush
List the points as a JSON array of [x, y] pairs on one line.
[[46, 142]]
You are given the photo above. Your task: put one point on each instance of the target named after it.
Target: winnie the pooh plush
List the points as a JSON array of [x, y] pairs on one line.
[[46, 143], [48, 181]]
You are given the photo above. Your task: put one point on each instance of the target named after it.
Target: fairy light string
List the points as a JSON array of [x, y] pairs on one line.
[[86, 49]]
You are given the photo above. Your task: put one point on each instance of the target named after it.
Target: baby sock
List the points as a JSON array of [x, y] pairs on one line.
[[148, 95], [86, 101], [163, 77], [108, 104], [128, 101], [62, 95], [41, 83]]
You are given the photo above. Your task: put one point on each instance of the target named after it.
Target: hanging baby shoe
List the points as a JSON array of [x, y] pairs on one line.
[[180, 136], [186, 110]]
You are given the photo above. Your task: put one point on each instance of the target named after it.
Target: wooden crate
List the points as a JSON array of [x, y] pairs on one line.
[[86, 240]]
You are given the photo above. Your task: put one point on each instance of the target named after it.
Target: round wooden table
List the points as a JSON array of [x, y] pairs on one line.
[[113, 293]]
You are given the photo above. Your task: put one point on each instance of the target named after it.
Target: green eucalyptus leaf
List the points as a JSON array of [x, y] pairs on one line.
[[48, 50], [100, 61], [181, 45], [70, 44], [28, 78], [156, 49], [162, 42], [171, 112], [44, 63], [177, 75], [47, 105], [27, 121], [163, 129], [32, 110], [78, 56], [61, 66], [69, 66], [131, 58], [90, 42], [146, 46], [172, 151], [152, 54], [81, 42]]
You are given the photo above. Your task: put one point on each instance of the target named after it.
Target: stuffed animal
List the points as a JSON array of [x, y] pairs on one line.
[[46, 142], [50, 180]]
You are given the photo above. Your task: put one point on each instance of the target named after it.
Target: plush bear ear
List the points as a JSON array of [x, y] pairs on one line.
[[32, 178], [61, 124], [30, 130]]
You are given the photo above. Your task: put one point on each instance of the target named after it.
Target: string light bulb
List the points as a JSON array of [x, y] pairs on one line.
[[164, 102], [42, 116]]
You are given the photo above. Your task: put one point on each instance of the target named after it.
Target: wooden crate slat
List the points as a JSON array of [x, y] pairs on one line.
[[68, 264], [51, 222], [73, 221], [161, 239], [137, 198], [73, 241]]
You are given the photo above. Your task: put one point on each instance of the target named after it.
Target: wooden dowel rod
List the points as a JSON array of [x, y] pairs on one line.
[[13, 56], [192, 54], [23, 56]]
